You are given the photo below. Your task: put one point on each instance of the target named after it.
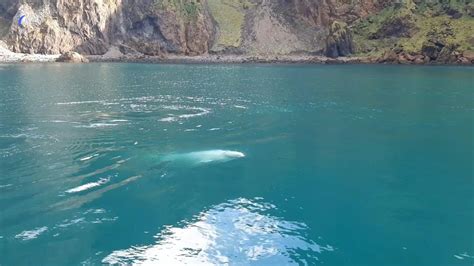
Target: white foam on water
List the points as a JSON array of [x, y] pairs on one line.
[[81, 102], [88, 157], [99, 211], [88, 186], [171, 118], [105, 219], [463, 256], [31, 234], [76, 202], [202, 112], [5, 186], [67, 223], [240, 107]]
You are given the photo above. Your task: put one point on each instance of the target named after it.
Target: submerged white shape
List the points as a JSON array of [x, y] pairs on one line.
[[168, 119], [201, 157], [97, 125], [31, 234], [88, 186]]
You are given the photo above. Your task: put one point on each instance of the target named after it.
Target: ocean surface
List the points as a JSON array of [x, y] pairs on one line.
[[239, 164]]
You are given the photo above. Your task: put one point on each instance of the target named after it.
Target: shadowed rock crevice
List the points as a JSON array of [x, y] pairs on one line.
[[339, 41]]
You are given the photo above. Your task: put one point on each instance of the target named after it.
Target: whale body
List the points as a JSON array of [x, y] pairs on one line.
[[165, 163], [203, 157]]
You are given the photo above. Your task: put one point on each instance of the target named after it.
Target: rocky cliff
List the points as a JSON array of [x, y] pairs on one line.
[[387, 30]]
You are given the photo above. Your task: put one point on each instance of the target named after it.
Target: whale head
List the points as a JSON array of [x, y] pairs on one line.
[[233, 154], [215, 156]]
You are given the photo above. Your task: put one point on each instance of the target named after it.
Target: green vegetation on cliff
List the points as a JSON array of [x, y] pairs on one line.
[[409, 26], [187, 8], [229, 15]]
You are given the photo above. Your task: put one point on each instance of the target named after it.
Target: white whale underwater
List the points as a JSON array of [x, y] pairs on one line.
[[175, 160], [203, 157]]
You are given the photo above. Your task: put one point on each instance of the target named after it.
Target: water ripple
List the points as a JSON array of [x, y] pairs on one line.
[[31, 234]]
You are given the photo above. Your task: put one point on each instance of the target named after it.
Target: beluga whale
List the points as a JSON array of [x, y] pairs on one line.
[[203, 157], [153, 163]]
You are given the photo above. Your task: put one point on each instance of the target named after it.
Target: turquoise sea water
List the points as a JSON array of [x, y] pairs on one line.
[[239, 164]]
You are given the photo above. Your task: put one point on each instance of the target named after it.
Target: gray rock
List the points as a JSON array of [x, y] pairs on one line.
[[72, 57]]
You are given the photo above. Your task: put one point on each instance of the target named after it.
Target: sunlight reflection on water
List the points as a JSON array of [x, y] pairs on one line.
[[238, 231]]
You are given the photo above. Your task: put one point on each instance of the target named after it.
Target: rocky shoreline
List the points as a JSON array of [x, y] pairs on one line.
[[228, 59], [114, 55], [7, 56]]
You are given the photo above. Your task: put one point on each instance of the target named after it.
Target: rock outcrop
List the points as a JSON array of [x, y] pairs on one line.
[[168, 26], [91, 26], [339, 41], [72, 57]]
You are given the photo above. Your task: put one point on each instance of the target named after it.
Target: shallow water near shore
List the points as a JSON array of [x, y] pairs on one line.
[[239, 164]]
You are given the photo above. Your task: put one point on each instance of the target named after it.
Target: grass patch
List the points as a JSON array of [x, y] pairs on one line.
[[229, 15]]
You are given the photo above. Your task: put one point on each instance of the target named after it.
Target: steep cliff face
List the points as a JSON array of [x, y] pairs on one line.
[[324, 12], [281, 26], [58, 26], [91, 26], [168, 26], [157, 27], [252, 27]]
